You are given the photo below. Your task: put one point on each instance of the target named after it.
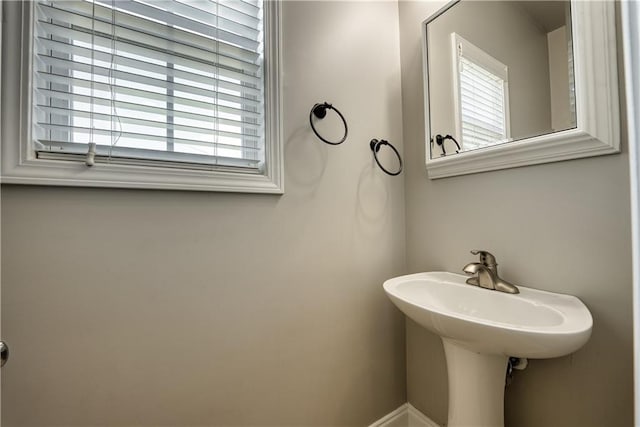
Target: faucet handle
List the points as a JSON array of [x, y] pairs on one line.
[[486, 258]]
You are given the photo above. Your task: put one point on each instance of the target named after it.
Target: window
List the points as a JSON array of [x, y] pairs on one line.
[[169, 94], [482, 96]]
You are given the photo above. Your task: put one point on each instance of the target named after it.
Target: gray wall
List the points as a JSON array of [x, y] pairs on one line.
[[561, 115], [563, 227], [176, 308]]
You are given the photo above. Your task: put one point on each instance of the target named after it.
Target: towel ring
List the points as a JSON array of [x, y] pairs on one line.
[[440, 141], [320, 111], [375, 147]]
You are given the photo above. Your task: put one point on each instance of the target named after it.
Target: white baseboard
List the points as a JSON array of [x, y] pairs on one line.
[[397, 418], [418, 419], [405, 416]]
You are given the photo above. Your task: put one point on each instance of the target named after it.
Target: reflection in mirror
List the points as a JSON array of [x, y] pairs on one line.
[[498, 71]]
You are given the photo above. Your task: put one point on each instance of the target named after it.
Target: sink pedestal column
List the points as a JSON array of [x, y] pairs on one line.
[[476, 387]]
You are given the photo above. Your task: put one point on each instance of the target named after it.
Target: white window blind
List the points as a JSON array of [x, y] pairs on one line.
[[155, 82], [482, 97]]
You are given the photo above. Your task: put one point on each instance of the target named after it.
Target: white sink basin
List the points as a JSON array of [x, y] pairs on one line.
[[533, 324], [481, 328]]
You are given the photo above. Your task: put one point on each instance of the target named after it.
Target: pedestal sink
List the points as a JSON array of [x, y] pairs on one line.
[[481, 329]]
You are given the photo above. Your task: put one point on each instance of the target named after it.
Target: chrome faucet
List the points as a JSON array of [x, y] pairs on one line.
[[487, 274]]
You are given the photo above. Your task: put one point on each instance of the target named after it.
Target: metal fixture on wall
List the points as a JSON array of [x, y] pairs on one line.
[[440, 142], [320, 112], [375, 147], [4, 353]]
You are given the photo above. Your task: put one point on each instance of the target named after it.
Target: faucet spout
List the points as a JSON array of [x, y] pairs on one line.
[[472, 267], [485, 279]]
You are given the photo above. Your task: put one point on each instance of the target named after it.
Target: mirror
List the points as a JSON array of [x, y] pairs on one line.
[[505, 81], [502, 71]]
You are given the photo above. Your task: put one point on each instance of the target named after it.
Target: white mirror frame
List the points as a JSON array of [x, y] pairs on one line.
[[597, 108]]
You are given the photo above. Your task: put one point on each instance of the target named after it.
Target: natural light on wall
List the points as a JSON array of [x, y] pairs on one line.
[[482, 96], [168, 82]]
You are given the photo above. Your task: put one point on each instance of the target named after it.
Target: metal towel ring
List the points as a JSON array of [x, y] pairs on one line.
[[440, 141], [320, 111], [375, 147]]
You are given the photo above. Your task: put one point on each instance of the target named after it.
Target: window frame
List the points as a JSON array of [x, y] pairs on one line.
[[19, 162], [482, 59]]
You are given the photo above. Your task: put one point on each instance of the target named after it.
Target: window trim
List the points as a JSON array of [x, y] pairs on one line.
[[489, 63], [19, 162]]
